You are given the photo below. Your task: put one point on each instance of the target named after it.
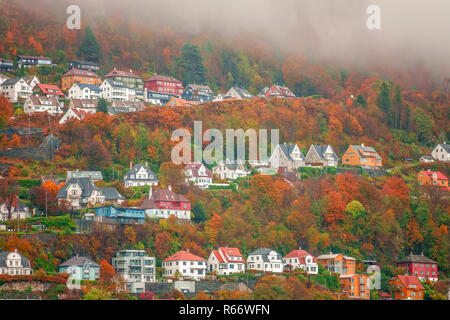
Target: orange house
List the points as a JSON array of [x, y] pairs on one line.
[[406, 288], [337, 263], [80, 76], [432, 178], [362, 156], [356, 286]]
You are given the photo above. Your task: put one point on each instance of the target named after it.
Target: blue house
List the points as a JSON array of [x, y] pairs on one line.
[[114, 214], [196, 92], [81, 268]]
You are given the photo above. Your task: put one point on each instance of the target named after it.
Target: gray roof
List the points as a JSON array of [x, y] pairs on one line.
[[416, 259], [78, 261], [116, 110], [135, 170], [115, 83], [322, 149], [367, 149], [90, 86], [288, 149], [11, 82], [242, 92], [4, 255], [96, 175], [111, 194], [445, 146], [264, 252], [86, 185]]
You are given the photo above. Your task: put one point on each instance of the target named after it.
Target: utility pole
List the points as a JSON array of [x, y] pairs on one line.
[[46, 206]]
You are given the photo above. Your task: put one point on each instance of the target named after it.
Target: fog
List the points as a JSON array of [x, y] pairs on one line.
[[412, 31]]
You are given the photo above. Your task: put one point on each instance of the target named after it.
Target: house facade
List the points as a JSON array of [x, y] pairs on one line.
[[432, 178], [130, 78], [35, 104], [114, 90], [238, 93], [48, 90], [441, 152], [289, 156], [15, 89], [198, 174], [197, 92], [86, 105], [135, 266], [140, 175], [113, 214], [406, 287], [230, 170], [73, 114], [33, 61], [276, 91], [84, 65], [226, 261], [184, 265], [80, 193], [321, 156], [266, 260], [14, 263], [6, 65], [163, 203], [84, 91], [362, 156], [80, 76], [164, 85], [356, 286], [19, 211], [338, 263], [300, 259], [420, 266], [81, 268]]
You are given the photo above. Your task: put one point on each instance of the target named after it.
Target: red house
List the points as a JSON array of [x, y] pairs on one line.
[[164, 84], [419, 266], [48, 90], [163, 203]]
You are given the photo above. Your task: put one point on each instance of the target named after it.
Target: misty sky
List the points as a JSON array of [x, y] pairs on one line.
[[413, 31]]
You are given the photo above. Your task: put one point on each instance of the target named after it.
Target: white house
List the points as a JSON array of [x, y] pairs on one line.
[[300, 259], [43, 104], [198, 174], [140, 175], [238, 93], [113, 90], [87, 105], [80, 192], [266, 260], [84, 91], [14, 264], [15, 89], [184, 265], [441, 152], [81, 268], [164, 203], [3, 78], [321, 156], [17, 212], [230, 169], [225, 261], [73, 114], [289, 156]]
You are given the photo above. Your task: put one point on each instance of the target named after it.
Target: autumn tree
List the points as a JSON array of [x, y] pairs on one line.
[[6, 111], [9, 190], [107, 272]]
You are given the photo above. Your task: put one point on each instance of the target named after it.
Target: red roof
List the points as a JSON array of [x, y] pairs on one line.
[[410, 280], [300, 254], [80, 113], [183, 256], [119, 73], [45, 88], [439, 175], [162, 195], [229, 252], [78, 72], [158, 77]]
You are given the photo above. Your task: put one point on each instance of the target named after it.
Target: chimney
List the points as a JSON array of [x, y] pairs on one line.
[[170, 188], [15, 250], [150, 192], [187, 249], [300, 248], [131, 164], [362, 145], [146, 164]]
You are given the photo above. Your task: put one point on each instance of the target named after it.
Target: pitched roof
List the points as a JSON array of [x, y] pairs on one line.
[[362, 148], [288, 149], [416, 259], [91, 87], [194, 167], [183, 256], [11, 82], [179, 102], [34, 57], [79, 262], [158, 77], [4, 255], [39, 101], [445, 146], [85, 103], [230, 252], [430, 174], [283, 91], [332, 256], [300, 254], [119, 73], [264, 252], [116, 83], [135, 169], [86, 185], [96, 175], [79, 72], [111, 194], [45, 88], [243, 93], [322, 149], [409, 281]]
